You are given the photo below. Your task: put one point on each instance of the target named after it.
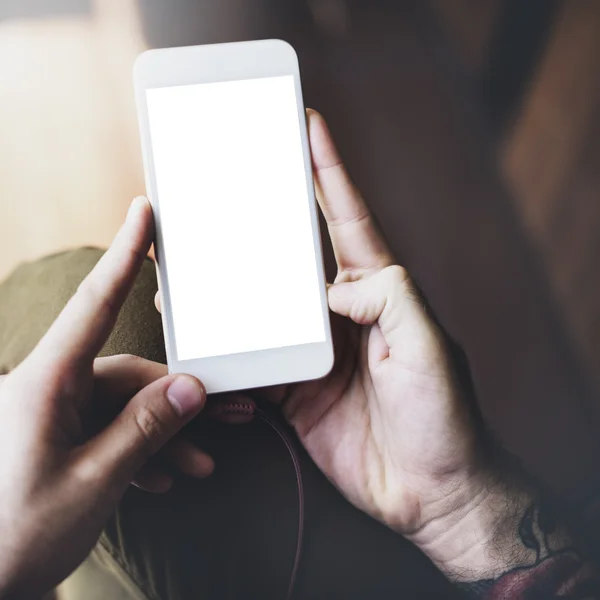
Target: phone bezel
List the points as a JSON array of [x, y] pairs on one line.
[[215, 63]]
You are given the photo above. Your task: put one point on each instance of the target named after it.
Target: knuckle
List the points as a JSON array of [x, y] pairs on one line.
[[362, 311], [135, 255], [396, 274], [88, 471], [398, 277], [61, 377], [97, 297], [151, 428]]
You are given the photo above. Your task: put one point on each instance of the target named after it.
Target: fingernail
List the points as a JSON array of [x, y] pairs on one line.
[[186, 395]]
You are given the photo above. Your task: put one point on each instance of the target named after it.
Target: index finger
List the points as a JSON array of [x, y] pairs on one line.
[[85, 323], [357, 242]]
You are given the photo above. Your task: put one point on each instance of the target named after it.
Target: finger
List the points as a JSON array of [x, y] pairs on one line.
[[144, 426], [188, 458], [84, 325], [357, 242], [119, 377], [123, 376], [386, 298], [153, 480], [157, 302]]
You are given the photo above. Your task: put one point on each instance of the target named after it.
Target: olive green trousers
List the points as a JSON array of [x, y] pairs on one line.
[[233, 535]]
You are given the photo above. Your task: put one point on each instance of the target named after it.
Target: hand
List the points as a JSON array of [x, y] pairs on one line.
[[60, 475], [392, 428], [389, 426]]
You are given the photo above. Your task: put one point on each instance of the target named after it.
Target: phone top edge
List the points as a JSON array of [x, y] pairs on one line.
[[208, 63], [156, 53]]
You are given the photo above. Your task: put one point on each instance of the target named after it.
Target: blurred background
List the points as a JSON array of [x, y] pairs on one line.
[[472, 127]]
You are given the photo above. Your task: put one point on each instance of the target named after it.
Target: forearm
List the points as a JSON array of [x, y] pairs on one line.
[[505, 545]]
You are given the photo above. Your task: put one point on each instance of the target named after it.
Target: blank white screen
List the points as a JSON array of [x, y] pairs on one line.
[[235, 217]]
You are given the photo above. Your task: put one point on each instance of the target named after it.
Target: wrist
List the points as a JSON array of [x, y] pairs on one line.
[[470, 538], [16, 575]]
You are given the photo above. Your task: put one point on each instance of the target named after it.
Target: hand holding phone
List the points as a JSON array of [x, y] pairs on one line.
[[390, 425]]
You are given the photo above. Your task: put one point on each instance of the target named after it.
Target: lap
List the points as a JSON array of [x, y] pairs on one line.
[[35, 293], [232, 535]]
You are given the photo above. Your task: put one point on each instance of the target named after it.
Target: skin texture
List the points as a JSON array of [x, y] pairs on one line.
[[554, 568]]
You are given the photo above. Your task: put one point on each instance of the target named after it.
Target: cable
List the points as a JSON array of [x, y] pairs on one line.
[[271, 421]]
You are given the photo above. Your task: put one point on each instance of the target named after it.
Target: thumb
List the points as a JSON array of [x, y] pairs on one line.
[[146, 424], [386, 297]]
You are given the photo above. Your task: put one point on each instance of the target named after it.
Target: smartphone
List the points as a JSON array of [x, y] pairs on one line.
[[229, 176]]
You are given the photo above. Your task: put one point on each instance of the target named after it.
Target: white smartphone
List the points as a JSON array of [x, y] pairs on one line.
[[229, 176]]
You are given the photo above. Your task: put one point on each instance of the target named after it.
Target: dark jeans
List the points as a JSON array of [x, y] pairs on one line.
[[232, 535]]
